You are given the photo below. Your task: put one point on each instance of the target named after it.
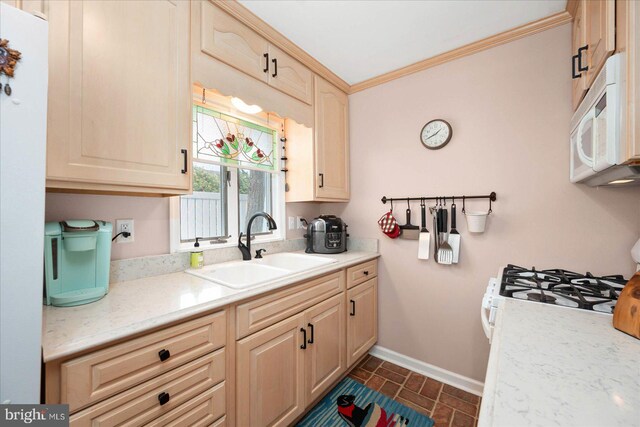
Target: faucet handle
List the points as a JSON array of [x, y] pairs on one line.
[[259, 253]]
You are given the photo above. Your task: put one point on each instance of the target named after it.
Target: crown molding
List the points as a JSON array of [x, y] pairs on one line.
[[252, 21], [531, 28]]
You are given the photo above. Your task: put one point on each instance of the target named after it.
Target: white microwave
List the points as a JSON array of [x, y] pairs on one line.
[[598, 145]]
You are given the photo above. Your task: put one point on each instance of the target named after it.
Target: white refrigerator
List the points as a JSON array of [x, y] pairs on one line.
[[23, 134]]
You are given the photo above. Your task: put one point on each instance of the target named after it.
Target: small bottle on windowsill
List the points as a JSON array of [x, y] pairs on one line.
[[197, 256]]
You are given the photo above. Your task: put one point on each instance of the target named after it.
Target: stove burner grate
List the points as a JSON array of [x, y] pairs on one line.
[[562, 287]]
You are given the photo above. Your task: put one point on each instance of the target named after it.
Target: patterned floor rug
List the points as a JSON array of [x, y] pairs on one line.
[[351, 404]]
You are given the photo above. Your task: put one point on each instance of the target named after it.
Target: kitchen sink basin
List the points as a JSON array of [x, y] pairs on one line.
[[240, 275], [246, 274], [294, 262]]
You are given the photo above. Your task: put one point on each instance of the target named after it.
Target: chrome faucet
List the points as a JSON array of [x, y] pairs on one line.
[[246, 249]]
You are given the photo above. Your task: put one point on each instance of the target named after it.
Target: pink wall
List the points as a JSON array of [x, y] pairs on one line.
[[150, 215], [510, 109]]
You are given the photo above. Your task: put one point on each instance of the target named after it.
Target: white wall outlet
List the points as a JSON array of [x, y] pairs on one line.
[[299, 223], [124, 225], [291, 223]]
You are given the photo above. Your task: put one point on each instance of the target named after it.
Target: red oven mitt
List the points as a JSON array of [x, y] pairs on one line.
[[389, 225]]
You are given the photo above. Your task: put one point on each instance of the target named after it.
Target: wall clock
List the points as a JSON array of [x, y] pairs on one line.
[[436, 134]]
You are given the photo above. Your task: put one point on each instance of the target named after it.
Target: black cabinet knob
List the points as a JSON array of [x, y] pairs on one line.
[[164, 354], [366, 273], [163, 398]]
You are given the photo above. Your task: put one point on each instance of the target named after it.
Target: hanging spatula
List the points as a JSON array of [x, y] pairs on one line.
[[423, 243], [445, 253], [454, 236], [409, 231]]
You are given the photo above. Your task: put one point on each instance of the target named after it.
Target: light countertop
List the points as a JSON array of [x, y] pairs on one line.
[[135, 306], [553, 366]]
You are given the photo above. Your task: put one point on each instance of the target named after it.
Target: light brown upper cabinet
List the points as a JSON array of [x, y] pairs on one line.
[[318, 159], [579, 58], [600, 27], [594, 27], [628, 41], [290, 76], [119, 96], [35, 7], [332, 142], [227, 39]]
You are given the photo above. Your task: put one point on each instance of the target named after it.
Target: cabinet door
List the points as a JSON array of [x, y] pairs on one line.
[[362, 319], [270, 375], [36, 7], [325, 357], [633, 79], [226, 39], [331, 141], [290, 76], [600, 28], [119, 93], [579, 84]]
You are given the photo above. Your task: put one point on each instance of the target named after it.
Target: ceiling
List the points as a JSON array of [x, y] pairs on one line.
[[358, 40]]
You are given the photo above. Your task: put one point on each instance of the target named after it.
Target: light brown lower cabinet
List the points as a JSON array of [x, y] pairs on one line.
[[142, 404], [362, 321], [292, 346], [326, 348], [284, 366], [269, 379]]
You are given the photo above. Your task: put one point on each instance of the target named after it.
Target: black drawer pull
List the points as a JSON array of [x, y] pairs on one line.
[[275, 67], [304, 338], [321, 180], [184, 154], [164, 354], [353, 308], [266, 63], [580, 67], [311, 328], [163, 398], [366, 272]]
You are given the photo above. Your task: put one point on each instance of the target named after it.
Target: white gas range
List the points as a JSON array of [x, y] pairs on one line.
[[559, 287]]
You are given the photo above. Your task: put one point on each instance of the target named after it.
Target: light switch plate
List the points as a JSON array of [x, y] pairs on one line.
[[291, 223], [299, 224]]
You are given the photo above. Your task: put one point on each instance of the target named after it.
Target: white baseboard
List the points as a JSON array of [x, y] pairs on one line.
[[431, 371]]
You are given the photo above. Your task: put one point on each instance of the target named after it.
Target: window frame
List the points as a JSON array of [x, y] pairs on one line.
[[222, 105]]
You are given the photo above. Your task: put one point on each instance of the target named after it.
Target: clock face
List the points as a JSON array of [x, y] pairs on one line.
[[436, 134]]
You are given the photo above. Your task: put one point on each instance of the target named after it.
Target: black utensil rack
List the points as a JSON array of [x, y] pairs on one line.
[[491, 196]]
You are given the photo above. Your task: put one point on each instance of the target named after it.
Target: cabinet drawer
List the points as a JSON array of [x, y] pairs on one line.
[[102, 374], [361, 273], [201, 411], [139, 405], [262, 312]]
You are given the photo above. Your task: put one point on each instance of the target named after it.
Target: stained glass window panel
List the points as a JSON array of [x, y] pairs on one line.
[[228, 140]]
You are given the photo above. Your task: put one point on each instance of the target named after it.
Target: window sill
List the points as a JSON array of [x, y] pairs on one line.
[[206, 246]]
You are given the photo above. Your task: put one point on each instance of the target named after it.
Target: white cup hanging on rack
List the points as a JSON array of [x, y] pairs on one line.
[[476, 220]]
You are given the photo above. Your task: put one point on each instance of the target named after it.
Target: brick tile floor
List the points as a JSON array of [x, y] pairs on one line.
[[447, 405]]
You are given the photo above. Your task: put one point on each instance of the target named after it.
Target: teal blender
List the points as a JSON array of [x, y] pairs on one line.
[[77, 255]]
